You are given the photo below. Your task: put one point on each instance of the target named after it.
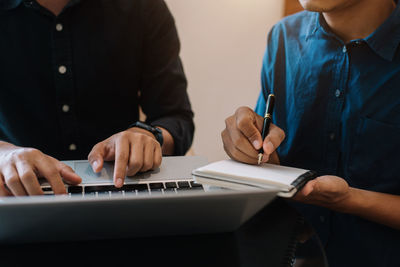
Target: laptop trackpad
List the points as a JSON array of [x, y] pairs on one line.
[[171, 169], [84, 170]]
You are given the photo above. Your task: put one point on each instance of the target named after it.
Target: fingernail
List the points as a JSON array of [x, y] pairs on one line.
[[119, 182], [95, 165], [256, 144]]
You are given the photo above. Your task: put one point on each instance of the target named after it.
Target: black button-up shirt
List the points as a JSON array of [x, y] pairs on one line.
[[70, 81]]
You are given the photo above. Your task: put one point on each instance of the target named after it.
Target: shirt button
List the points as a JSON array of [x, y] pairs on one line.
[[59, 27], [332, 136], [344, 49], [72, 147], [322, 218], [65, 108], [337, 93], [62, 69]]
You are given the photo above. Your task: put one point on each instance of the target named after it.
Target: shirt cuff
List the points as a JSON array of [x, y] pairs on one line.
[[181, 129]]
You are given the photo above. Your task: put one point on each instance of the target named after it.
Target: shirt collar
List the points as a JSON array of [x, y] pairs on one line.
[[313, 26], [384, 40]]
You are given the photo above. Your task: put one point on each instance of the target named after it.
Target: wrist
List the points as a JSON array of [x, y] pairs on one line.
[[353, 202], [153, 131], [141, 131]]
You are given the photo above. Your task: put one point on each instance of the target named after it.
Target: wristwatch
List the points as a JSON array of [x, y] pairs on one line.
[[154, 130]]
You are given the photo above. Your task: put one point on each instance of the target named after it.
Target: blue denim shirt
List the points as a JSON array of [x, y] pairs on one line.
[[339, 105]]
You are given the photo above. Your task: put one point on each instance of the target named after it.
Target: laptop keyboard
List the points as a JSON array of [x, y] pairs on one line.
[[169, 187]]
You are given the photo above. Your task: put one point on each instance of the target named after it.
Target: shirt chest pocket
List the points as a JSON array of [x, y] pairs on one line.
[[374, 160]]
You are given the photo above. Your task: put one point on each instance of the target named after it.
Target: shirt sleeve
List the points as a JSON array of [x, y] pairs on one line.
[[163, 95], [266, 81], [261, 105]]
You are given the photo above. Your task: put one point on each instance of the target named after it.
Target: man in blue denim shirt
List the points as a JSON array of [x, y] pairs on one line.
[[335, 72]]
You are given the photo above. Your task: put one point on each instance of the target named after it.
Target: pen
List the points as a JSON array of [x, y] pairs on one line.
[[267, 121]]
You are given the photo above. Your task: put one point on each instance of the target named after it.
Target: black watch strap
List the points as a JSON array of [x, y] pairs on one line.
[[154, 130]]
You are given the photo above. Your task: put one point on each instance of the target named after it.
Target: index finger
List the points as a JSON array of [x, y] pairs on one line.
[[49, 170], [121, 161], [250, 125]]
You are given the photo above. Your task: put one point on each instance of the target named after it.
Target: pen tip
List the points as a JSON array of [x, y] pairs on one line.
[[260, 156]]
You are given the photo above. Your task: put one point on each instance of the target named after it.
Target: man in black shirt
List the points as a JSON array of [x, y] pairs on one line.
[[73, 74]]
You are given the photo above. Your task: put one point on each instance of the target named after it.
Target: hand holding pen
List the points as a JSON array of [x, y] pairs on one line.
[[242, 137]]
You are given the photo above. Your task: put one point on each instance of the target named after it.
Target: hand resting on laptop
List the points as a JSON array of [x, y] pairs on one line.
[[134, 150], [20, 168]]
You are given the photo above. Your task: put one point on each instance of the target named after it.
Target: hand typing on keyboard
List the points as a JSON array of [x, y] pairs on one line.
[[20, 168], [134, 150]]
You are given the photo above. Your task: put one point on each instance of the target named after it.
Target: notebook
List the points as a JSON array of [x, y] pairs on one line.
[[240, 176]]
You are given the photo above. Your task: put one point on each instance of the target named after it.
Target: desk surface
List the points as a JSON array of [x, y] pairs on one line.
[[268, 239]]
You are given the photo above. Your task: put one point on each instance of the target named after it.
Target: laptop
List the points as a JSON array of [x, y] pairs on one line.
[[165, 201]]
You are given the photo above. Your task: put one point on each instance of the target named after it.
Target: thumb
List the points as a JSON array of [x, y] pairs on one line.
[[97, 164], [68, 174], [308, 188], [96, 158]]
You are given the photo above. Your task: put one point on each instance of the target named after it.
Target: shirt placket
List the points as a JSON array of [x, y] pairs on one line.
[[64, 85], [335, 105]]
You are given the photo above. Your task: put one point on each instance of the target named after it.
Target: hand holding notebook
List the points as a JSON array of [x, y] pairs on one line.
[[235, 175]]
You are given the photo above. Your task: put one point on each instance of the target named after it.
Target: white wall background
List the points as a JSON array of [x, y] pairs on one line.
[[223, 42]]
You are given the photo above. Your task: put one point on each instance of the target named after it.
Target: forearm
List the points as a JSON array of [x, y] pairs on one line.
[[164, 98], [378, 207]]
